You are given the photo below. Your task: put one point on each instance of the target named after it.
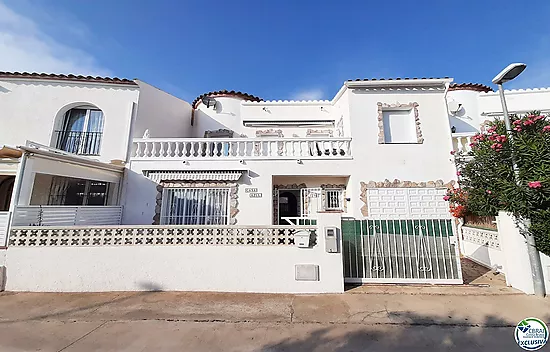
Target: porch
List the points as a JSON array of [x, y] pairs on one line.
[[41, 186], [297, 200]]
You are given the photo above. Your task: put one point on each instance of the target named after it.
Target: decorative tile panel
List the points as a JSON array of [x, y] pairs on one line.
[[35, 236], [482, 237]]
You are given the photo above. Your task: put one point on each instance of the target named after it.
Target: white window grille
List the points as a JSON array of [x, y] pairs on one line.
[[195, 206], [334, 199]]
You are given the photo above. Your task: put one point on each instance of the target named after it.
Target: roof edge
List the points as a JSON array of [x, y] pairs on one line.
[[67, 78]]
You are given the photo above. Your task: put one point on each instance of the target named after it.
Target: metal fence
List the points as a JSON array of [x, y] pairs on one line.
[[397, 251], [83, 143]]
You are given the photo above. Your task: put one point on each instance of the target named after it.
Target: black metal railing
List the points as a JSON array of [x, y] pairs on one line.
[[82, 143]]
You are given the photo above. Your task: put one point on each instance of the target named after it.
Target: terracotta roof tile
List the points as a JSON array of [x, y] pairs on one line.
[[478, 87], [69, 77], [225, 93]]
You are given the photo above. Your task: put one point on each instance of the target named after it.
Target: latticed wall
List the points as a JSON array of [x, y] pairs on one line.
[[156, 236], [481, 237]]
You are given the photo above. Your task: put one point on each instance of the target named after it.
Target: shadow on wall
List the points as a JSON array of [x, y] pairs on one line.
[[461, 125], [407, 332]]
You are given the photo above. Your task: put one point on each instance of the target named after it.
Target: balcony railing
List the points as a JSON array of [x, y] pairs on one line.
[[461, 141], [242, 148], [82, 143]]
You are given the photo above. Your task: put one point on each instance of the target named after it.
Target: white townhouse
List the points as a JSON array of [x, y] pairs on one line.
[[138, 175], [64, 143]]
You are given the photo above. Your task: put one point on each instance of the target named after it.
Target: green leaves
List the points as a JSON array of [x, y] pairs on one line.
[[487, 175]]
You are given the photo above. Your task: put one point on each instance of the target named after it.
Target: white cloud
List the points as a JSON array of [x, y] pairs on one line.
[[309, 94], [24, 46]]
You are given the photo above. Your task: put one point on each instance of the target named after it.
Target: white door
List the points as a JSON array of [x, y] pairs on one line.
[[312, 202]]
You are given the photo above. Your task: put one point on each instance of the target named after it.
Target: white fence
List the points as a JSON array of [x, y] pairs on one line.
[[483, 246], [46, 215], [4, 222], [172, 258], [242, 148], [30, 236]]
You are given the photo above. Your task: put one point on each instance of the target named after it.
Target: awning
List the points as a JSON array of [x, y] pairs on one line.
[[9, 152], [158, 176]]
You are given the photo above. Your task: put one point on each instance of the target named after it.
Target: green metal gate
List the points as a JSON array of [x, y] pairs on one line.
[[400, 251]]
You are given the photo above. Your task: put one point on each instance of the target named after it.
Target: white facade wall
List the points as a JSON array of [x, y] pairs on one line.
[[162, 114], [230, 113], [34, 109], [467, 119], [357, 110], [478, 107], [518, 265]]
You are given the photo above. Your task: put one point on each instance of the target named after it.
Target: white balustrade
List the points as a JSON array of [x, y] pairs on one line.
[[146, 235], [242, 148], [461, 141]]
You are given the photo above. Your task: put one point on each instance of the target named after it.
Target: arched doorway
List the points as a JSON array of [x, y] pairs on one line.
[[289, 205], [6, 189]]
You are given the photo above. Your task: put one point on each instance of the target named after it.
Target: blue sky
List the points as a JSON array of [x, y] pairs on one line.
[[285, 49]]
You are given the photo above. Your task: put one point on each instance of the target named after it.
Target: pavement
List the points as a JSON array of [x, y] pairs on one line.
[[367, 318]]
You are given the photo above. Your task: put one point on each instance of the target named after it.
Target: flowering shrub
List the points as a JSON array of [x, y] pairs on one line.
[[457, 202], [487, 178]]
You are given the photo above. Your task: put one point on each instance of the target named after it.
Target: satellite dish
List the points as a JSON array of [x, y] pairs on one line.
[[454, 106], [208, 101]]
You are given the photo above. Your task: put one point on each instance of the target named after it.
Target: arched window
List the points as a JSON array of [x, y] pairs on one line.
[[81, 131]]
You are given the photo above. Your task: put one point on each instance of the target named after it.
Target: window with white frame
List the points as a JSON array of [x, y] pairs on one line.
[[334, 199], [399, 126], [195, 206]]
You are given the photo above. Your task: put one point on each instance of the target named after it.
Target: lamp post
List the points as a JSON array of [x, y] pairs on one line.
[[506, 75]]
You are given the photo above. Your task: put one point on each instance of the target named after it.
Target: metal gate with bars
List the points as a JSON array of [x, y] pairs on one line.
[[400, 251]]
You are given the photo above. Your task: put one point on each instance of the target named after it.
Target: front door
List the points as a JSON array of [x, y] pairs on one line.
[[289, 204]]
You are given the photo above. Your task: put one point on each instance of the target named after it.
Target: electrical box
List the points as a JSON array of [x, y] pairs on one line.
[[306, 272], [301, 239], [331, 239]]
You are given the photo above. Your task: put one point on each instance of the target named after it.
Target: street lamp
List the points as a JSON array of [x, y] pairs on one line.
[[509, 73]]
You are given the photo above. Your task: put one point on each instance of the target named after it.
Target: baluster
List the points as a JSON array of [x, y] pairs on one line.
[[229, 151], [153, 149], [146, 150], [162, 151], [177, 152], [169, 151], [138, 149]]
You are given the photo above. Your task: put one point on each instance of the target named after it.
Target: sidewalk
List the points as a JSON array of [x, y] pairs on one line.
[[168, 321]]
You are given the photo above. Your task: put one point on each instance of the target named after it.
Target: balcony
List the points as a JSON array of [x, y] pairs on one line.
[[461, 141], [76, 142], [241, 148]]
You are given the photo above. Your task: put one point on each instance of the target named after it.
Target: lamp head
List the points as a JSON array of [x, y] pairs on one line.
[[509, 73]]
